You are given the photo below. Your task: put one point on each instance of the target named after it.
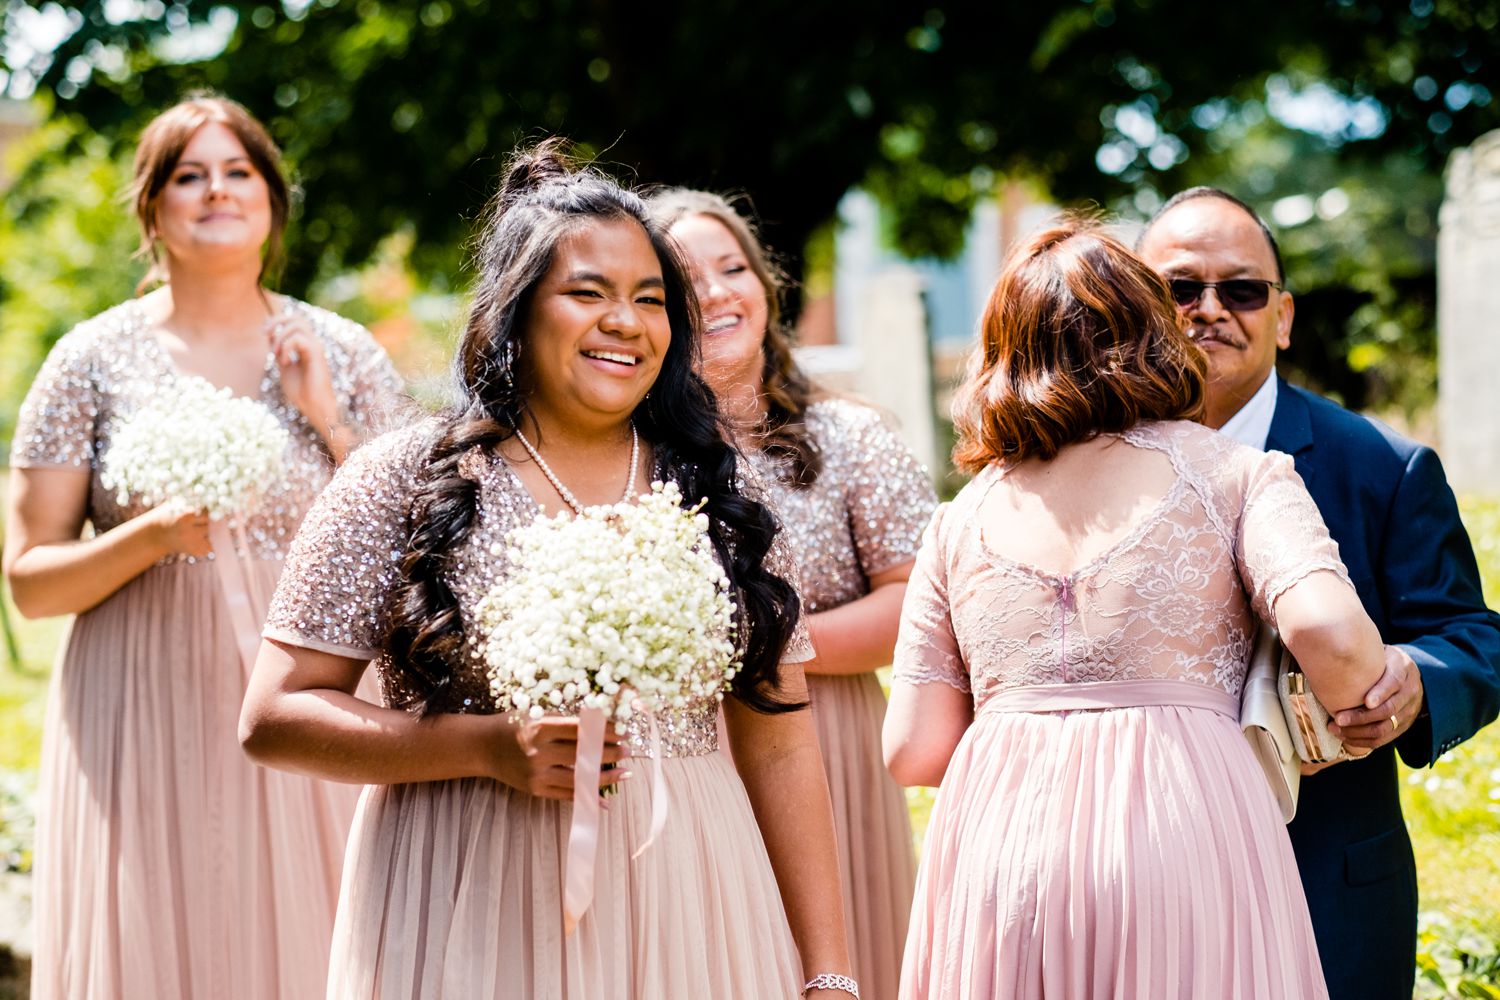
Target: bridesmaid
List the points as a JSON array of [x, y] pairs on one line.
[[576, 387], [168, 866], [853, 500]]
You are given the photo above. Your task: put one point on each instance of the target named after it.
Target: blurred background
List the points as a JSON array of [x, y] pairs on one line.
[[892, 152]]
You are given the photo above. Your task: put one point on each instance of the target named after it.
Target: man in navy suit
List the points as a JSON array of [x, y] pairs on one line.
[[1389, 507]]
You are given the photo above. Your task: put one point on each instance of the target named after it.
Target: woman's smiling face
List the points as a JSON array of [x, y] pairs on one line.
[[731, 297], [597, 329]]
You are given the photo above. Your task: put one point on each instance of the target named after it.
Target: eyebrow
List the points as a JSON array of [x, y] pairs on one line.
[[200, 163], [599, 279], [1180, 271]]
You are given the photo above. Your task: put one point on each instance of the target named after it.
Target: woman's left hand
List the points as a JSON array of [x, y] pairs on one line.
[[304, 369]]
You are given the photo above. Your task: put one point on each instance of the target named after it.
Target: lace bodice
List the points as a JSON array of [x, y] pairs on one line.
[[865, 512], [100, 373], [1176, 598], [340, 577]]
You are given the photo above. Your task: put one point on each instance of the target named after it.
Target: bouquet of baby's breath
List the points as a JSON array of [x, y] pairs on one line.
[[201, 447], [623, 609]]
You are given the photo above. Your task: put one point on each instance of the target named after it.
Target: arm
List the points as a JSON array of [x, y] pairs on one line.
[[1325, 627], [778, 759], [52, 571], [889, 501], [923, 726], [860, 636], [931, 703], [301, 715]]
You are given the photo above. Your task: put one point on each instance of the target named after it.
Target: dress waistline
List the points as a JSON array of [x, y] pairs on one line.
[[1105, 695]]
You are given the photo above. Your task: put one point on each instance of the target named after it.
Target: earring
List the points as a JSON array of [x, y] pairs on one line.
[[507, 365]]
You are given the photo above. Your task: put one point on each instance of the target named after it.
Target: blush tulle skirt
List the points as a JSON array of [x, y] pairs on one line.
[[453, 889], [167, 864]]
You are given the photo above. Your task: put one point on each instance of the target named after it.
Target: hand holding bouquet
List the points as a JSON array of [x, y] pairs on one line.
[[619, 611], [204, 449], [196, 446]]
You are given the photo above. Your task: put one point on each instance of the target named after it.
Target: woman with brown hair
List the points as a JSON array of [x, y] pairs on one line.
[[167, 865], [1072, 648], [854, 500]]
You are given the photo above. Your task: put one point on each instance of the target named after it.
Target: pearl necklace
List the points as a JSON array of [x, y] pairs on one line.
[[563, 491]]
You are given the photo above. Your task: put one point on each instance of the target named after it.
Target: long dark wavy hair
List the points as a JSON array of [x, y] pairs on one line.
[[786, 388], [543, 197]]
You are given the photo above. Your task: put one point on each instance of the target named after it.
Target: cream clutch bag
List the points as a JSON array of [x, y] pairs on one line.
[[1283, 721]]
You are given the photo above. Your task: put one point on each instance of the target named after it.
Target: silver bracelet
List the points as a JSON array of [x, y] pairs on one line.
[[832, 981]]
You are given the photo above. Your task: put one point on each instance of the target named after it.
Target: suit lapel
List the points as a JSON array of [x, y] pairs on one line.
[[1291, 430]]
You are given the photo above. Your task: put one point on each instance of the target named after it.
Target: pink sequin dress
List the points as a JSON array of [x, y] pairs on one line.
[[167, 865], [1103, 830], [454, 888], [863, 515]]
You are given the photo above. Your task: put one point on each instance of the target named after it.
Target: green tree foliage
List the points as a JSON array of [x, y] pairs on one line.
[[397, 113], [66, 241]]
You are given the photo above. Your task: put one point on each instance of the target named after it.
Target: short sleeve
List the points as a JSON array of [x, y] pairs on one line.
[[56, 425], [1282, 537], [377, 400], [342, 569], [891, 498], [926, 647]]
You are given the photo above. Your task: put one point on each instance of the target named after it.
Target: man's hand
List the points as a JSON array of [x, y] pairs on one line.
[[1391, 706]]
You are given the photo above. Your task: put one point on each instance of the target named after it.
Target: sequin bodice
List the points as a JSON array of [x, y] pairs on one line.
[[864, 513], [106, 368], [336, 591], [1176, 598]]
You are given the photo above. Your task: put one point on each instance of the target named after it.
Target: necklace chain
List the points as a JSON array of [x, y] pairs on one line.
[[563, 491]]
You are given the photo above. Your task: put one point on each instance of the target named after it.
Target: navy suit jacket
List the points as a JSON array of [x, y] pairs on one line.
[[1389, 507]]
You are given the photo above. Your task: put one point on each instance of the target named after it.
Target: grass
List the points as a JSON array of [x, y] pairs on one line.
[[1453, 809]]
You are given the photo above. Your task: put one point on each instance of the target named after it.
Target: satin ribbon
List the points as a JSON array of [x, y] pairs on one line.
[[235, 582], [658, 784], [583, 835]]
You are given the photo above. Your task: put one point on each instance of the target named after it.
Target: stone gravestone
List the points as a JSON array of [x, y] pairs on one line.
[[890, 333], [1468, 271]]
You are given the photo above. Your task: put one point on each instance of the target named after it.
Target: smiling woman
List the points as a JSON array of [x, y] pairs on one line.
[[148, 807], [854, 500], [576, 365]]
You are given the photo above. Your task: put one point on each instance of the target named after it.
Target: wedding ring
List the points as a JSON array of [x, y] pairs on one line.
[[1394, 724]]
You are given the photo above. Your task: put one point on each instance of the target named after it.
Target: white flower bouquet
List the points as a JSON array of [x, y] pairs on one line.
[[623, 609], [197, 446]]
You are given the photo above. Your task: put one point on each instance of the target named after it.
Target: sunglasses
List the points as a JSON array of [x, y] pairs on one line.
[[1236, 294]]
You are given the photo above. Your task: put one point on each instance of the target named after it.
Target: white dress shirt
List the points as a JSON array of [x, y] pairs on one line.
[[1252, 424]]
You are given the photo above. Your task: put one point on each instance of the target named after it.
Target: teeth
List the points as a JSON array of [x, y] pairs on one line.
[[624, 359], [723, 323]]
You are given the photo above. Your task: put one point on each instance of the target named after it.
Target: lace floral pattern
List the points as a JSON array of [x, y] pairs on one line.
[[1176, 599]]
